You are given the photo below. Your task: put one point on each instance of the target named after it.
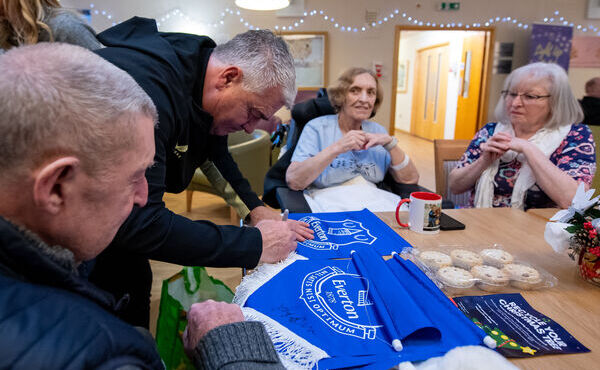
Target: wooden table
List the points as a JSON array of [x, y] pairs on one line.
[[573, 303], [544, 213]]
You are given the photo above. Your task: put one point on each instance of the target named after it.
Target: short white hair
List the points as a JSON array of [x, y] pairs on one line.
[[265, 61], [564, 107], [58, 99]]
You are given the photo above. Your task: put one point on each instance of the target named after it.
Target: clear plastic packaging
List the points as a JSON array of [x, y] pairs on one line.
[[464, 270]]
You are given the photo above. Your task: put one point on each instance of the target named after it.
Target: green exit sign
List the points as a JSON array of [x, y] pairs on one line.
[[449, 6]]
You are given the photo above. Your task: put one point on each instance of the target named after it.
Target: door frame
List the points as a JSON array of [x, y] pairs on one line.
[[488, 60], [413, 105]]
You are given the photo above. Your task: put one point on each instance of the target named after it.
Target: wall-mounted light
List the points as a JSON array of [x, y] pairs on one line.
[[262, 4]]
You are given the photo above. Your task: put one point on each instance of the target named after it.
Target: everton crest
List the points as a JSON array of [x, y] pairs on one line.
[[341, 301], [330, 235]]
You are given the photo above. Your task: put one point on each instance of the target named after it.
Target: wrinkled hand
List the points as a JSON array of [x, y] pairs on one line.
[[495, 147], [352, 140], [301, 229], [377, 139], [205, 316], [262, 213], [519, 145], [278, 240]]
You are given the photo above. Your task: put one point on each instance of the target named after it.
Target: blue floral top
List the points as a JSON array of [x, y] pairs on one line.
[[576, 155]]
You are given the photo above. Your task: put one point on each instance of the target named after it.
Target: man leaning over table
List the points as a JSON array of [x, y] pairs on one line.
[[202, 92], [76, 137]]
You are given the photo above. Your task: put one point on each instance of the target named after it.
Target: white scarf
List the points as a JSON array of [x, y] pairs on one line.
[[547, 140]]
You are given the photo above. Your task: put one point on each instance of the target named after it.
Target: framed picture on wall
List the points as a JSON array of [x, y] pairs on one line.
[[585, 52], [402, 85], [593, 10], [310, 58]]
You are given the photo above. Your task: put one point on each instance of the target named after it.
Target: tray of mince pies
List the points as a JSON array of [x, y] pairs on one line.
[[459, 270]]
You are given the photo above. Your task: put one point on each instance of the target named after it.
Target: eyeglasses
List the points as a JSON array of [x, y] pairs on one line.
[[526, 98]]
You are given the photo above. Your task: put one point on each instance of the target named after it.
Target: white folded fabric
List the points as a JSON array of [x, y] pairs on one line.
[[353, 195]]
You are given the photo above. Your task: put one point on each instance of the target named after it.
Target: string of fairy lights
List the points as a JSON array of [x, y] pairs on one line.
[[395, 16]]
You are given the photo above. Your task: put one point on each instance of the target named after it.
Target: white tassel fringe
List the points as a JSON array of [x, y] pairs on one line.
[[294, 351]]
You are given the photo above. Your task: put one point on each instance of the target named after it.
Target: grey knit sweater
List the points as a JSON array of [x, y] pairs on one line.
[[69, 28], [241, 345]]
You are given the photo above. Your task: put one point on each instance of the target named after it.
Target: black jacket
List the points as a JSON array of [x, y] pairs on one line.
[[171, 67], [591, 110], [51, 318]]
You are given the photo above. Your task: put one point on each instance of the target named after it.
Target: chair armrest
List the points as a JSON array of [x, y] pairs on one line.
[[293, 200], [404, 190], [447, 204]]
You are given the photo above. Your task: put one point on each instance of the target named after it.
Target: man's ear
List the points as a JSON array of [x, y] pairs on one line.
[[49, 183], [229, 76]]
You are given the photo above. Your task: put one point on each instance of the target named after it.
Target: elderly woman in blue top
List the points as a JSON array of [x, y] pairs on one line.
[[335, 148], [537, 152]]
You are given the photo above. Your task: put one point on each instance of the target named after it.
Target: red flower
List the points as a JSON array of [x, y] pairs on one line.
[[595, 251], [587, 225], [592, 233]]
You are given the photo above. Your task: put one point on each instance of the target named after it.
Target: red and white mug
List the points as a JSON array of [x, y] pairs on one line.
[[424, 212]]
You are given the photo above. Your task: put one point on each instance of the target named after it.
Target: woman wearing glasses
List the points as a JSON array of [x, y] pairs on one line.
[[537, 153]]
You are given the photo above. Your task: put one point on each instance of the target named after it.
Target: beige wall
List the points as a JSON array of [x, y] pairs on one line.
[[362, 48], [579, 76]]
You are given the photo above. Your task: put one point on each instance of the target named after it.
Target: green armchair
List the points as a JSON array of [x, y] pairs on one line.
[[251, 152]]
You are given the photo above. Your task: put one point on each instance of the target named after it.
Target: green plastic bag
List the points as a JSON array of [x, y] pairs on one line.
[[191, 285]]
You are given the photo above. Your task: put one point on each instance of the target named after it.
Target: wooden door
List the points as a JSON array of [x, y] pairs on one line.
[[429, 99], [469, 103]]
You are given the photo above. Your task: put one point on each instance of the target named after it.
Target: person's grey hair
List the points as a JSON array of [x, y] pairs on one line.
[[58, 99], [564, 107], [265, 61]]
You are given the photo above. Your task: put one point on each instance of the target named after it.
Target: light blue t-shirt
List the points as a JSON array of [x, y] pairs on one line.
[[323, 131]]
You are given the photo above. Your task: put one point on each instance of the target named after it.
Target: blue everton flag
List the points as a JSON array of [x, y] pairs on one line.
[[339, 233], [353, 313]]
